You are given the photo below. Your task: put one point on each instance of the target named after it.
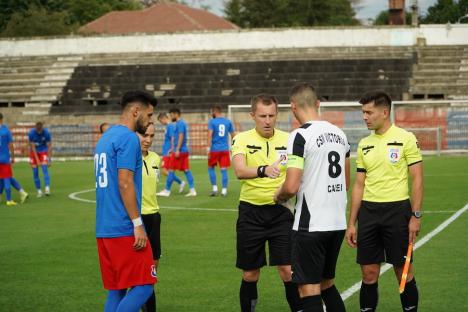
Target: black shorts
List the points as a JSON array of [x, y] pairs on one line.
[[382, 234], [314, 255], [152, 224], [257, 225]]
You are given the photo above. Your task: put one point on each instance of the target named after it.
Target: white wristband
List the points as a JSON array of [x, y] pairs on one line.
[[137, 222]]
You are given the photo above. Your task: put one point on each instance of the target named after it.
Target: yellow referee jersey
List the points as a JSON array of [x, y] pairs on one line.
[[150, 177], [385, 160], [259, 151]]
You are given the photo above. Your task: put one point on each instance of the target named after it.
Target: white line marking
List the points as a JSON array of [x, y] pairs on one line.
[[75, 197], [350, 291]]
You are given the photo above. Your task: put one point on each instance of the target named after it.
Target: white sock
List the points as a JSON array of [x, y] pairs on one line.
[[215, 188], [224, 191]]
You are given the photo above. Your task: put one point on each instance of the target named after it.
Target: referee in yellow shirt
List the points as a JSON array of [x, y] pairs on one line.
[[259, 160], [149, 204], [387, 219]]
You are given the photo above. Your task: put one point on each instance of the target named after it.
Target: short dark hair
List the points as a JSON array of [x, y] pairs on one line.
[[217, 108], [1, 116], [138, 97], [39, 124], [174, 110], [303, 94], [380, 98], [265, 99]]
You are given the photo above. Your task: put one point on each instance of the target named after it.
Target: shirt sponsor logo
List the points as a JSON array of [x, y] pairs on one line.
[[394, 155]]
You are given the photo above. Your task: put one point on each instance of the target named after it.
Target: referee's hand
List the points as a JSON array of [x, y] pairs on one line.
[[272, 171], [351, 236], [140, 237]]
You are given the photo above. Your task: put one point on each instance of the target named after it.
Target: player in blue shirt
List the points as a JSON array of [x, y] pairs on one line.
[[167, 148], [180, 155], [7, 157], [219, 129], [40, 142], [125, 257]]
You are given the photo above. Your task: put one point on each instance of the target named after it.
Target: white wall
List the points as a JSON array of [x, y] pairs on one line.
[[238, 40]]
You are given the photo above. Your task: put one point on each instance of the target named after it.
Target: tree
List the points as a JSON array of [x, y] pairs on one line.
[[36, 21], [383, 18], [445, 11], [289, 13], [75, 12]]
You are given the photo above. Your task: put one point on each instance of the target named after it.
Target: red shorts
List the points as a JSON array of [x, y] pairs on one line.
[[5, 171], [43, 159], [222, 158], [181, 163], [166, 162], [122, 266]]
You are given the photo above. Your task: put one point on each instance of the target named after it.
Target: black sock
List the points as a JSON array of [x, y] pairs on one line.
[[312, 304], [410, 297], [368, 297], [332, 299], [292, 295], [248, 296], [150, 305]]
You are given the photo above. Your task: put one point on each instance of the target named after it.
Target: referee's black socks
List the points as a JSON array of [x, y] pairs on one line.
[[368, 297], [410, 297], [292, 295], [332, 299], [312, 304], [248, 296]]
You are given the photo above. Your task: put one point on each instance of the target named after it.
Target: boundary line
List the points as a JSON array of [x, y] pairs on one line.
[[353, 289]]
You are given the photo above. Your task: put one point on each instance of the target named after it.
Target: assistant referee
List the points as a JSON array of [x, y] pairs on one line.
[[149, 204], [387, 219], [259, 160]]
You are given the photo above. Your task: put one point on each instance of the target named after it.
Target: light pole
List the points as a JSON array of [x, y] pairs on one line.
[[414, 13]]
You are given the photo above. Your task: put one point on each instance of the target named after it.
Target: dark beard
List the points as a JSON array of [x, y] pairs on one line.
[[213, 115], [174, 119], [140, 128]]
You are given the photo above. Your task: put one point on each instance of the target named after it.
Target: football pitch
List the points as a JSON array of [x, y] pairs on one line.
[[48, 257]]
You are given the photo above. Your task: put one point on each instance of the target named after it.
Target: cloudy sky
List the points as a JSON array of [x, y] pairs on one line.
[[367, 9]]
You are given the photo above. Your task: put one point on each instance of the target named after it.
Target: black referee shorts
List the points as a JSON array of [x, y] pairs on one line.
[[382, 234], [314, 255], [257, 225], [152, 224]]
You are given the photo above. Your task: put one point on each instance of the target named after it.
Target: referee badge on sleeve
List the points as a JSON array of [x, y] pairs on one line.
[[394, 155]]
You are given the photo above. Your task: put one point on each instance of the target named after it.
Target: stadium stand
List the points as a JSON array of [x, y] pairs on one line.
[[200, 80], [440, 72]]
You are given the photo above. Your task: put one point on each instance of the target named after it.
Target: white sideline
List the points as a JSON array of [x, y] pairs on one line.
[[350, 291]]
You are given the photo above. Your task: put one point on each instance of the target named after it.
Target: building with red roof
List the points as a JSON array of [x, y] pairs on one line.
[[163, 17]]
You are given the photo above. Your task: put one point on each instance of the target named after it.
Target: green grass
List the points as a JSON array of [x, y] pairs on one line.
[[48, 256]]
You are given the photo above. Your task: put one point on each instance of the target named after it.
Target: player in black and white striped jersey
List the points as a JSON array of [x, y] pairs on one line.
[[318, 172]]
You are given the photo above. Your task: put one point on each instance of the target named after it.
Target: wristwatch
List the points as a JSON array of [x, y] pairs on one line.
[[417, 214]]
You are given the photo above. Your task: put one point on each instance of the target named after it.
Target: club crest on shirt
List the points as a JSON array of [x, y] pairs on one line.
[[153, 271], [283, 155], [394, 155]]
